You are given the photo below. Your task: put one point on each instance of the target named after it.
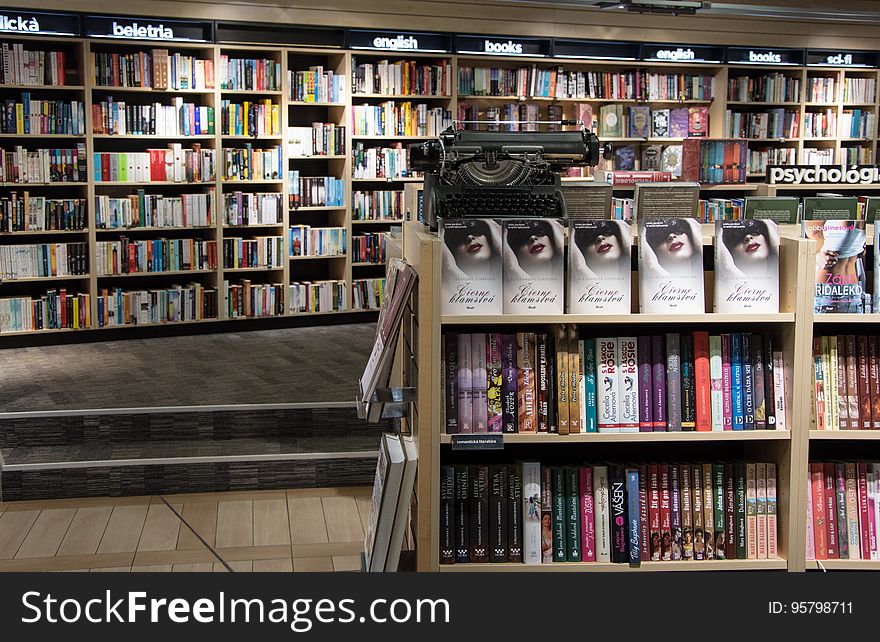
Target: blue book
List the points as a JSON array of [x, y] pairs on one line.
[[748, 384], [590, 386], [736, 380], [26, 99], [633, 533]]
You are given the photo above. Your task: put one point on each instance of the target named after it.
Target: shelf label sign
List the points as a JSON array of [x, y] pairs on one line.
[[595, 49], [478, 442], [35, 22], [415, 41], [812, 174], [835, 58], [149, 29], [761, 56], [502, 46], [664, 52]]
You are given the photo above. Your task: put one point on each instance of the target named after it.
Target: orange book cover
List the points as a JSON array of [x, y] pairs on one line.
[[703, 383]]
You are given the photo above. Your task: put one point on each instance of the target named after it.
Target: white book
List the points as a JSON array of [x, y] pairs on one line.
[[716, 397], [602, 511], [534, 266], [582, 388], [607, 387], [628, 384], [532, 510], [599, 267], [746, 267], [404, 499], [779, 389], [471, 274], [386, 489], [671, 266]]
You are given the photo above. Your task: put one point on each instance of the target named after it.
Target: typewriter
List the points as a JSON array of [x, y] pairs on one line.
[[500, 174]]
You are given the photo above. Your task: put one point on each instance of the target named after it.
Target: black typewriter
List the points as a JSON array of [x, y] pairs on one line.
[[500, 174]]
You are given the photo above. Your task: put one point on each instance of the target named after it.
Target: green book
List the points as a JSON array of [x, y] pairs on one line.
[[837, 208], [611, 121], [740, 509], [210, 120], [782, 209], [572, 515], [718, 493], [559, 526]]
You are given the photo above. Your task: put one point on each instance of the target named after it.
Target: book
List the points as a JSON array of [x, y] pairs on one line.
[[624, 158], [840, 278], [671, 266], [611, 121], [698, 121], [532, 512], [644, 522], [589, 397], [462, 514], [761, 474], [572, 515], [533, 276], [709, 510], [404, 500], [651, 158], [751, 511], [450, 362], [447, 515], [688, 383], [509, 397], [719, 511], [839, 484], [542, 382], [607, 384], [514, 513], [665, 513], [653, 488], [679, 121], [658, 392], [671, 160], [736, 381], [703, 381], [660, 123], [497, 513], [758, 382], [726, 383], [748, 390], [588, 516], [465, 384], [478, 500], [560, 526], [383, 503], [673, 383], [740, 537], [700, 541], [599, 275], [494, 379], [527, 402], [675, 510], [574, 380], [628, 391], [634, 530], [746, 267], [617, 508], [639, 121], [645, 384], [479, 383], [562, 378], [602, 509], [687, 519]]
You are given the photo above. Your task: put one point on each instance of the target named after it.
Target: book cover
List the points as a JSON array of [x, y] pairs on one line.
[[526, 382], [697, 502], [761, 475], [465, 385], [617, 503], [840, 268], [644, 521], [646, 384], [552, 409], [751, 512], [671, 266], [840, 510], [837, 367], [514, 513], [510, 416], [588, 524], [462, 514], [872, 511], [572, 515], [624, 158], [726, 383], [703, 380], [639, 121], [746, 267], [660, 123], [447, 515], [741, 539], [651, 158], [602, 510], [820, 528], [736, 381], [532, 512], [450, 375], [658, 379], [634, 530], [471, 274], [534, 267], [874, 516], [772, 512], [497, 513], [852, 510], [688, 384], [864, 525], [479, 513], [494, 382], [574, 380], [611, 121], [665, 513], [600, 268], [671, 160], [655, 547], [709, 510], [542, 383], [562, 366], [748, 390], [687, 520], [679, 120], [730, 511], [758, 382], [811, 540], [719, 511], [875, 295], [673, 383], [479, 383], [589, 396], [698, 121], [628, 391], [581, 380], [675, 510], [607, 386]]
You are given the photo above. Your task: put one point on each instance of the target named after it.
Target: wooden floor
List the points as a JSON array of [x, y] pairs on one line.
[[293, 530]]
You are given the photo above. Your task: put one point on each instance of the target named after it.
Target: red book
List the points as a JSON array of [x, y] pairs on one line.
[[63, 297], [864, 528], [820, 528], [703, 382], [665, 514], [874, 381], [654, 510], [105, 167], [831, 510], [644, 532], [588, 520], [864, 382]]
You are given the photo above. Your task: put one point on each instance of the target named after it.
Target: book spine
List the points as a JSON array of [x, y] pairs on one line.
[[761, 473], [479, 382], [687, 521], [494, 382], [602, 509], [658, 393], [864, 382], [852, 510], [509, 384], [828, 386], [451, 382], [736, 381], [462, 514], [628, 390], [644, 524], [675, 509], [560, 544], [772, 512], [779, 390], [703, 380], [752, 511], [769, 383], [588, 519], [673, 383], [514, 514], [532, 511], [719, 511], [726, 383], [547, 511], [561, 339], [479, 517], [838, 364], [820, 529], [874, 381], [543, 387], [617, 499], [589, 396], [465, 391], [852, 383], [581, 384], [730, 510], [646, 418], [697, 502], [688, 384], [665, 513], [573, 550], [574, 398], [497, 514], [715, 376], [840, 510], [654, 512], [634, 533], [872, 479], [552, 420], [758, 378], [739, 469], [748, 383], [607, 392], [526, 384], [447, 515], [709, 510], [811, 540], [864, 528]]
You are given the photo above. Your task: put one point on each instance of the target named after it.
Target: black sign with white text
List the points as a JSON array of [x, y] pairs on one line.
[[764, 56], [280, 34], [156, 29], [32, 23], [823, 174], [502, 46], [595, 49], [666, 52], [841, 58], [416, 41]]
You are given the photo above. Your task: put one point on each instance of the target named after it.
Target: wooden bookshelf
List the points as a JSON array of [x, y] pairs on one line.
[[777, 564]]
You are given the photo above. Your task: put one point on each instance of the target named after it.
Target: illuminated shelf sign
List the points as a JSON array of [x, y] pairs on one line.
[[160, 30], [405, 41], [502, 46], [665, 52], [280, 34], [836, 58], [595, 49], [39, 23], [763, 56], [823, 174]]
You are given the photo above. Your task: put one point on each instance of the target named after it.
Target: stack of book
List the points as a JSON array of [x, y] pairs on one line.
[[316, 86], [253, 209], [42, 260], [54, 310]]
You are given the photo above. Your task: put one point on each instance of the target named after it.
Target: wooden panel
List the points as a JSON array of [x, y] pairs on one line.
[[273, 566], [342, 519], [14, 527], [346, 563], [161, 529], [46, 534], [312, 564], [152, 568], [271, 522], [124, 529], [202, 518], [86, 531], [243, 566], [235, 524], [202, 567], [307, 524]]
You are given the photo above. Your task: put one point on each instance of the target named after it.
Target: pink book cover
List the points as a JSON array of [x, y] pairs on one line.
[[872, 525], [726, 400], [811, 543], [761, 473], [864, 536], [644, 531], [771, 512], [665, 513], [588, 523]]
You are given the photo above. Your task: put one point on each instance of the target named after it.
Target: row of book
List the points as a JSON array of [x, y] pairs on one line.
[[318, 296], [155, 69], [253, 209], [367, 294], [709, 210], [314, 191], [174, 304], [44, 165], [843, 511], [715, 161], [766, 88], [248, 163], [180, 118], [248, 299], [249, 74], [54, 310], [773, 123], [640, 121], [508, 117], [759, 158], [820, 124], [400, 119], [33, 116], [846, 375], [556, 82], [41, 260], [136, 256], [171, 164], [368, 248], [646, 158], [401, 77], [556, 382], [534, 513], [821, 89], [857, 154], [377, 205], [155, 210], [380, 162], [857, 123], [317, 241], [859, 90], [321, 139], [26, 213], [817, 156], [22, 66], [259, 118], [316, 85], [259, 252]]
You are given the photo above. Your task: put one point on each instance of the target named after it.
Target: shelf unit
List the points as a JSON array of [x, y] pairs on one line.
[[787, 449]]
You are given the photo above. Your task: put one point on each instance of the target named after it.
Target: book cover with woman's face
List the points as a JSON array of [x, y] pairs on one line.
[[840, 264], [534, 268], [671, 266], [471, 266], [747, 266], [600, 270]]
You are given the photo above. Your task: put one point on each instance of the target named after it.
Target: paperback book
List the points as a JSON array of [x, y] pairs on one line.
[[746, 266], [534, 266], [599, 267], [671, 266], [471, 268], [840, 264]]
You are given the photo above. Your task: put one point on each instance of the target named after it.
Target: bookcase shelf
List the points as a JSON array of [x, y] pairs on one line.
[[844, 565], [38, 136], [317, 258], [845, 435], [640, 437], [43, 87], [54, 184], [607, 567], [43, 233], [173, 137], [44, 279], [150, 90], [616, 319], [253, 269], [846, 318], [133, 275]]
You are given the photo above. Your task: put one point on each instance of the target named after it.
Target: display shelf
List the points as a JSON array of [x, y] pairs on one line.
[[43, 233], [133, 275], [43, 87], [367, 263], [318, 208], [127, 230], [609, 567], [43, 279], [639, 437], [254, 269], [403, 96], [391, 137], [150, 183], [387, 221], [477, 97], [174, 137], [256, 137], [616, 319], [247, 226], [317, 258], [150, 90], [252, 181], [845, 435], [37, 136], [53, 184], [844, 565], [23, 333], [302, 103], [251, 92], [319, 157], [406, 179], [846, 318], [754, 103]]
